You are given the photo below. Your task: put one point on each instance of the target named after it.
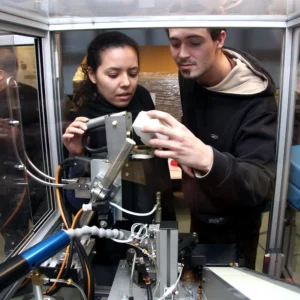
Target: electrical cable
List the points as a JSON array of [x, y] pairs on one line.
[[143, 229], [68, 254], [134, 213], [171, 288], [69, 282], [67, 225], [24, 283], [86, 267], [44, 174], [148, 292], [131, 276]]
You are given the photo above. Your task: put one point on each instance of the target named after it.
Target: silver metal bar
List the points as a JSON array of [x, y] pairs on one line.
[[19, 28], [50, 103], [295, 22], [162, 258], [173, 255], [34, 18], [168, 22], [287, 109], [117, 164], [37, 292], [293, 15]]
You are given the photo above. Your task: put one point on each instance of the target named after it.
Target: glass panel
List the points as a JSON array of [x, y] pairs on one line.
[[36, 6], [23, 201], [159, 75], [104, 8], [292, 227], [294, 7]]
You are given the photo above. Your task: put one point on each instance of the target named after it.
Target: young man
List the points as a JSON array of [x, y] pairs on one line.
[[226, 144]]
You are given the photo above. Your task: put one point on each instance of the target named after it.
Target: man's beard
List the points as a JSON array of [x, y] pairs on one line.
[[187, 74]]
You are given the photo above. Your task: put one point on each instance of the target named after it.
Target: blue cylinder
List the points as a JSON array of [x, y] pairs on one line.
[[46, 248]]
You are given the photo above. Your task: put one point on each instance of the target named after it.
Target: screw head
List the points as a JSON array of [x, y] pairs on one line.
[[103, 224]]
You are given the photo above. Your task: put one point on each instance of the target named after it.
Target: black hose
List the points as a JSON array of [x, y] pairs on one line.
[[86, 146], [80, 250], [148, 291]]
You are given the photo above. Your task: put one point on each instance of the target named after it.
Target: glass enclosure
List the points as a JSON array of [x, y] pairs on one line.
[[49, 66], [23, 200], [92, 8]]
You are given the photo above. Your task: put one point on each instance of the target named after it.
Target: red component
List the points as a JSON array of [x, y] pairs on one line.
[[174, 163]]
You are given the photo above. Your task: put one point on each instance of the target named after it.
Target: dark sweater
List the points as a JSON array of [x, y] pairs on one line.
[[241, 129]]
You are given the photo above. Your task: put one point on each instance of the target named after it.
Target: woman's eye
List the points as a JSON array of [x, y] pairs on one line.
[[113, 75]]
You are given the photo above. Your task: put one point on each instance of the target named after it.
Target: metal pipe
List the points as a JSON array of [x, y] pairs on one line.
[[118, 164], [37, 291]]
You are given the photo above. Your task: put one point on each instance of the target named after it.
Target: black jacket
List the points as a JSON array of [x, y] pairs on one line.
[[241, 129]]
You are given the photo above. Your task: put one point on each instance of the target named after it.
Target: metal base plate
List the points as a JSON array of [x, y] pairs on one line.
[[120, 287]]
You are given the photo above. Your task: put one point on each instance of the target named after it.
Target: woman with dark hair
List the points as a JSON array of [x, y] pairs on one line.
[[111, 86]]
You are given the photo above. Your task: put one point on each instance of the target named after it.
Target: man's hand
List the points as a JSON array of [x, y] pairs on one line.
[[182, 145], [73, 135]]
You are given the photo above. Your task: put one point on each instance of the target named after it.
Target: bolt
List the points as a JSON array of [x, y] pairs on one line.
[[79, 186], [13, 123], [114, 123], [127, 174], [103, 224], [127, 165], [19, 167], [194, 233]]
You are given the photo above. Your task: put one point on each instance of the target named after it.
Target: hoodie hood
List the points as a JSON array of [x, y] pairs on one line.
[[247, 77]]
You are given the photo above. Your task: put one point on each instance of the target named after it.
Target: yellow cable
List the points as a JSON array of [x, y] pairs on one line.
[[64, 220], [68, 248]]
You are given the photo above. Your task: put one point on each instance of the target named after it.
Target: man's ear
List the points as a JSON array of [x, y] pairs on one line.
[[91, 75], [221, 39]]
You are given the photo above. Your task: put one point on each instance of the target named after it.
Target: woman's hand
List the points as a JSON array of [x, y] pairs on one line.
[[73, 135]]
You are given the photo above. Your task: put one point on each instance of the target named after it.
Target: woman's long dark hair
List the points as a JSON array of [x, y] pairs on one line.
[[111, 39]]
